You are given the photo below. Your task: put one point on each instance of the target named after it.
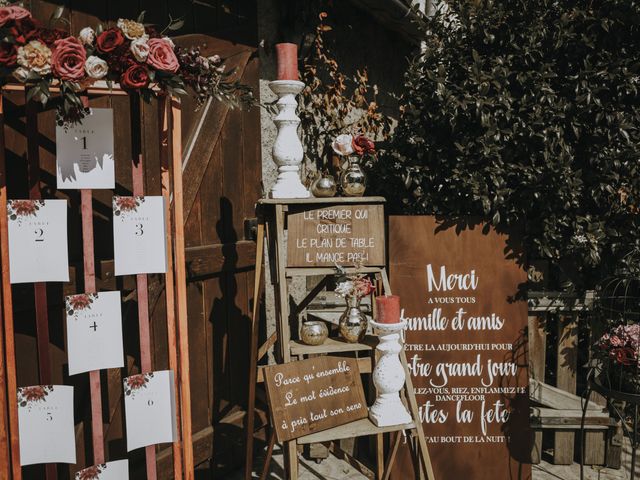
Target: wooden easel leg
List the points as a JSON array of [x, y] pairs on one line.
[[379, 456], [253, 355], [413, 404], [291, 460], [142, 286], [283, 296], [170, 294], [392, 454], [40, 288], [181, 289], [89, 270], [8, 405], [269, 456]]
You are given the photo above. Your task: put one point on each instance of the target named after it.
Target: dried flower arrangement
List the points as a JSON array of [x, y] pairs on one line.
[[337, 107], [355, 286]]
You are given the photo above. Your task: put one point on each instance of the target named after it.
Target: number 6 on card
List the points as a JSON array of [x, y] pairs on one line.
[[140, 245]]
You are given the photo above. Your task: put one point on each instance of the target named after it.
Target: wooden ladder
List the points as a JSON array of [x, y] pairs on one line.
[[272, 224]]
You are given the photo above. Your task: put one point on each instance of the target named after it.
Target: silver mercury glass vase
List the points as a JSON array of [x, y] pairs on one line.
[[353, 323], [353, 180], [324, 186]]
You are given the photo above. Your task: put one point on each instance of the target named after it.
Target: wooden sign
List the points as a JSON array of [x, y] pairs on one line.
[[465, 347], [313, 395], [345, 235]]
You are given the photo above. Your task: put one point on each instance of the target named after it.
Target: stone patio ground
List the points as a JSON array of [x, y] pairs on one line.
[[335, 469]]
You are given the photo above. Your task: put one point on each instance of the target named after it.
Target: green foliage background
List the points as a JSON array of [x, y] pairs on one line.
[[525, 113]]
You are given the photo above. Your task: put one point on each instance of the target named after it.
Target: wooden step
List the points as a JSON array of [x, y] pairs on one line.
[[358, 428], [553, 397], [333, 345], [568, 419], [332, 316]]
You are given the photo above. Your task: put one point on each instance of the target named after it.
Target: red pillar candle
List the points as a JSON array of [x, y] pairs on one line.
[[287, 56], [388, 309]]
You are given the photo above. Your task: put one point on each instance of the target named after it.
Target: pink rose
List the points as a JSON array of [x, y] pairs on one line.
[[18, 13], [616, 341], [13, 12], [161, 55], [68, 59]]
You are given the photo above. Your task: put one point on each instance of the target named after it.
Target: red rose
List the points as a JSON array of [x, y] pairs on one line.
[[161, 55], [24, 30], [362, 145], [136, 76], [8, 54], [109, 40], [49, 36], [68, 59], [624, 356]]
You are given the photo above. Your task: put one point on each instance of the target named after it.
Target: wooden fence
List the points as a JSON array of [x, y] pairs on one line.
[[559, 340]]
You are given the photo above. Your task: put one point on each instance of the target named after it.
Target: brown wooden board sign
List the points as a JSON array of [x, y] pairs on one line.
[[465, 347], [346, 235], [313, 395]]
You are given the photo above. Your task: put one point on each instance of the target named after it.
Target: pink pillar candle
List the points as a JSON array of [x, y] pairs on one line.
[[388, 308], [287, 56]]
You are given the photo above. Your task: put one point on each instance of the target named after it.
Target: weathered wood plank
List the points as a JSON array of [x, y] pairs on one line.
[[552, 418], [566, 367], [553, 397], [537, 352], [207, 260]]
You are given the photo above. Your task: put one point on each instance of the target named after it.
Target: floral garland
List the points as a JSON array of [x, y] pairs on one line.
[[137, 56]]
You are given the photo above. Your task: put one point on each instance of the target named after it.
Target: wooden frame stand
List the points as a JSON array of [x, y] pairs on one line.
[[169, 115], [273, 223]]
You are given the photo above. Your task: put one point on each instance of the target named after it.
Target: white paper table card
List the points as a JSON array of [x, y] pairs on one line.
[[94, 331], [139, 241], [38, 241], [150, 409], [46, 427], [117, 470], [84, 152]]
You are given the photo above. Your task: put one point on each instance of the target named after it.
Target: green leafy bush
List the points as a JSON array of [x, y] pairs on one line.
[[526, 114]]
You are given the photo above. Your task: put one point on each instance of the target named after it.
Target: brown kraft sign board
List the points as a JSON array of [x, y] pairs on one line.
[[465, 347], [345, 235], [313, 395]]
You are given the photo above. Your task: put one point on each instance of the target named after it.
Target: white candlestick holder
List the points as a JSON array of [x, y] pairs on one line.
[[287, 149], [389, 377]]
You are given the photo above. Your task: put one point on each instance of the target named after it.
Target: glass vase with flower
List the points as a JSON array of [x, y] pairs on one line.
[[353, 322], [353, 180]]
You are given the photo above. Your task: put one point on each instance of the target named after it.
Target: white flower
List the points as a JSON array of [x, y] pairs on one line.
[[167, 39], [96, 67], [130, 28], [345, 289], [21, 74], [140, 48], [215, 59], [87, 36], [342, 144], [35, 56]]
